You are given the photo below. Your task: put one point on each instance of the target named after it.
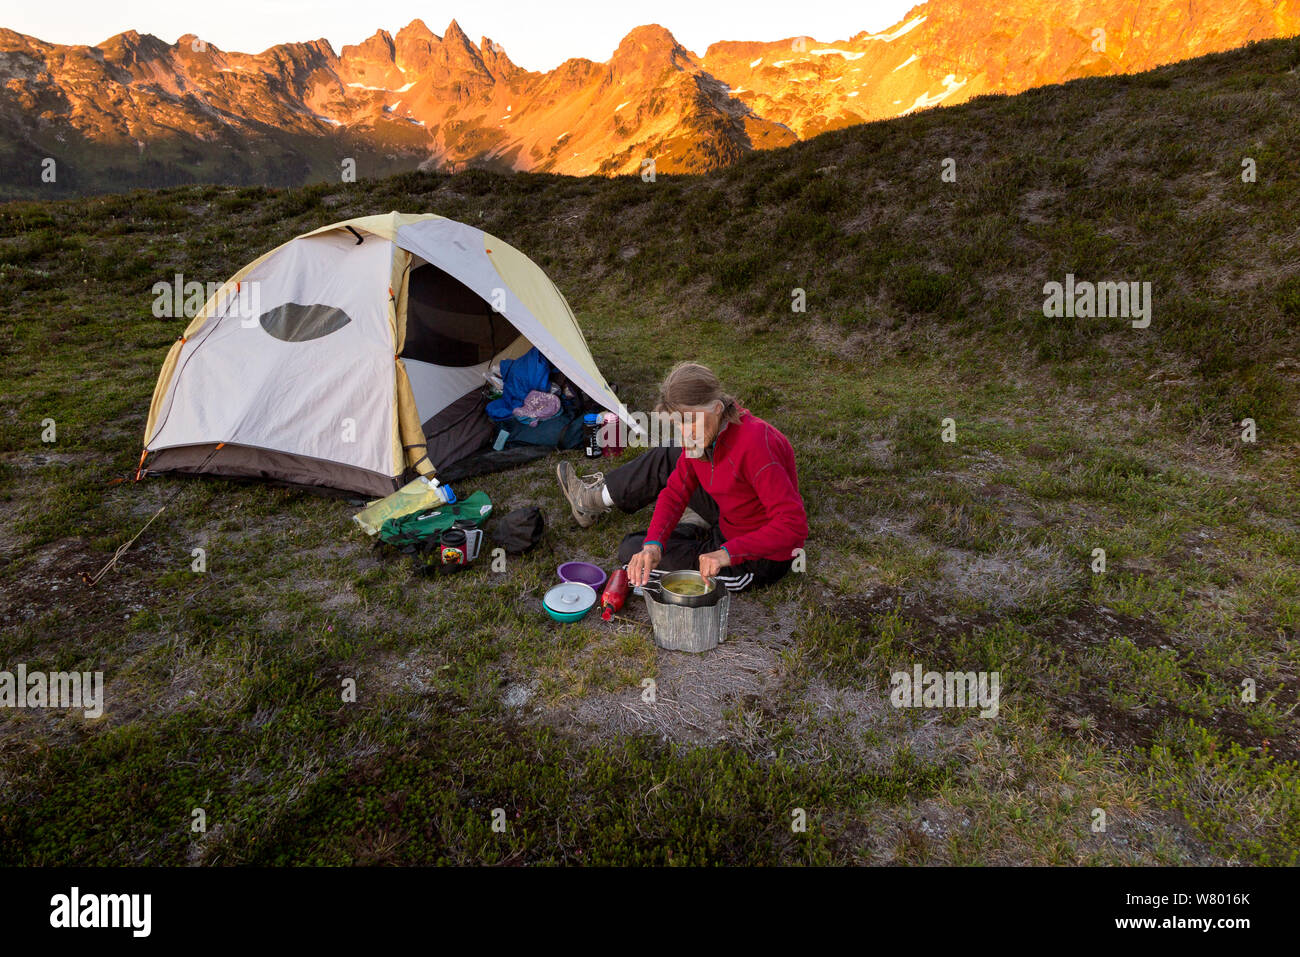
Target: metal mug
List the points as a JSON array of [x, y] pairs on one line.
[[473, 537]]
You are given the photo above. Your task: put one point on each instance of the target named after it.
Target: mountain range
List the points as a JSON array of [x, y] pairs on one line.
[[137, 111]]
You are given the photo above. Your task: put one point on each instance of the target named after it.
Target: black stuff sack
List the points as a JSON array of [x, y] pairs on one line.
[[517, 531]]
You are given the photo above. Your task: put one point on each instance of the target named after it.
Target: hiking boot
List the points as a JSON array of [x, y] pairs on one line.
[[583, 494]]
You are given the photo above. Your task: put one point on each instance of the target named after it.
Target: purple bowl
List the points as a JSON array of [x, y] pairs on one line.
[[584, 572]]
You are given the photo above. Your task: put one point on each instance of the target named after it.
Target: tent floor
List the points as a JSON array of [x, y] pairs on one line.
[[489, 461]]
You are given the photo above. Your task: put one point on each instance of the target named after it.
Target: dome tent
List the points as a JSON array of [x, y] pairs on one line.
[[357, 352]]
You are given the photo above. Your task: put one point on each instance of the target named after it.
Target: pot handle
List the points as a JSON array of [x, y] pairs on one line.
[[658, 588]]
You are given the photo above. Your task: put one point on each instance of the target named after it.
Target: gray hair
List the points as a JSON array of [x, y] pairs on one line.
[[690, 385]]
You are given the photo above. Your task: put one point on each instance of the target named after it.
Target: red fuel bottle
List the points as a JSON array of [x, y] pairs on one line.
[[611, 600]]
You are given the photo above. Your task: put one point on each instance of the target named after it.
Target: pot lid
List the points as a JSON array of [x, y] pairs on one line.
[[570, 597]]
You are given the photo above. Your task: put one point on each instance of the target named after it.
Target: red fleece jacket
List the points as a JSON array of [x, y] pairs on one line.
[[749, 470]]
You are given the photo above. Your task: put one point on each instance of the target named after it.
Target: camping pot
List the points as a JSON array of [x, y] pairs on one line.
[[712, 595], [684, 627]]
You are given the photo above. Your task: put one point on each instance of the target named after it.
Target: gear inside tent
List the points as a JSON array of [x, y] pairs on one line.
[[363, 353]]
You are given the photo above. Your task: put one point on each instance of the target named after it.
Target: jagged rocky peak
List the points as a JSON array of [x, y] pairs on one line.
[[414, 46], [310, 52], [417, 29], [132, 47], [373, 62], [650, 48], [457, 59], [494, 57], [456, 38], [378, 48]]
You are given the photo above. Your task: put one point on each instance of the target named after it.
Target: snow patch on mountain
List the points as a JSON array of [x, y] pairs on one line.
[[951, 86], [906, 28]]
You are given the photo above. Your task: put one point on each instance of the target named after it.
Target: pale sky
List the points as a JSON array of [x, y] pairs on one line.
[[536, 35]]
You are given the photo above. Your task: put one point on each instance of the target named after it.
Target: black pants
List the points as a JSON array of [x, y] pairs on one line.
[[638, 483]]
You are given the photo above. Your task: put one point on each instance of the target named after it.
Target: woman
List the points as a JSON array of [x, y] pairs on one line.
[[732, 486]]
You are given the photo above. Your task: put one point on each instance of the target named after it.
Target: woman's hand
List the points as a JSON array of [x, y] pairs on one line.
[[638, 569], [713, 562]]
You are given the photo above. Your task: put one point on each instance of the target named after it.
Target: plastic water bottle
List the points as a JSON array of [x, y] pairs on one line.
[[614, 446], [591, 435]]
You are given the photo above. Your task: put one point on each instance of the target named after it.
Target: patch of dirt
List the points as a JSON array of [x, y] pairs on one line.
[[30, 460], [1089, 625], [881, 452], [412, 672], [1035, 450], [1015, 510], [1003, 581], [693, 694], [862, 723], [53, 577], [935, 623], [1032, 203]]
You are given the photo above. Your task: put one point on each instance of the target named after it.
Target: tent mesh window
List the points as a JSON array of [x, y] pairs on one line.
[[448, 324]]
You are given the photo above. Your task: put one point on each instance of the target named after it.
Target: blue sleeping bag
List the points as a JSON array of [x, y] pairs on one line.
[[520, 376]]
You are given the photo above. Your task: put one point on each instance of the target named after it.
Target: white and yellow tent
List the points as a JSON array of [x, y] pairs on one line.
[[356, 352]]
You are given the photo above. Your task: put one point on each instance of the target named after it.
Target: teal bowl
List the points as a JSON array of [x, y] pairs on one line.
[[568, 615], [570, 601]]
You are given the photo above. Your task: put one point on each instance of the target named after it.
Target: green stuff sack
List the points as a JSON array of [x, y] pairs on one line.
[[428, 525]]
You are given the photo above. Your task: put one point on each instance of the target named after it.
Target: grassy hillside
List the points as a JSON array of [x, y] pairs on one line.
[[1121, 691]]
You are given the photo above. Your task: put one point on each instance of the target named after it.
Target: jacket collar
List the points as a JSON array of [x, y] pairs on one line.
[[708, 453]]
